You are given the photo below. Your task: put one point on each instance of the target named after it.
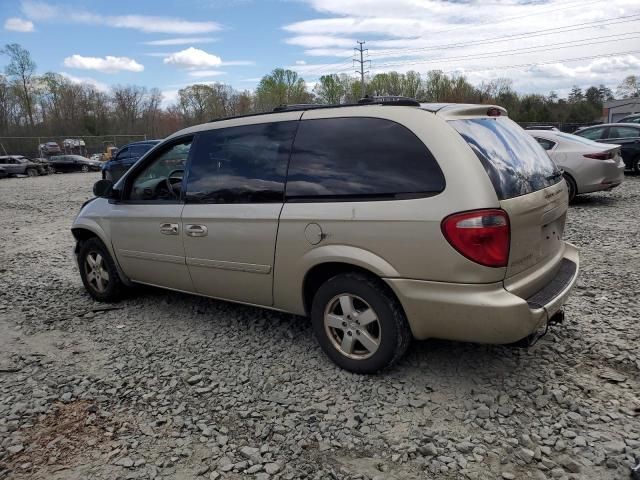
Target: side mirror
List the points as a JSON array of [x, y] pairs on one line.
[[103, 188]]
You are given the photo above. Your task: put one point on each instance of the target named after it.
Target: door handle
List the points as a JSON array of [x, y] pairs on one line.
[[196, 230], [169, 228]]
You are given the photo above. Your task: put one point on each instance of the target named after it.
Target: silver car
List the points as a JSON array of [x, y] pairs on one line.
[[382, 222], [588, 166]]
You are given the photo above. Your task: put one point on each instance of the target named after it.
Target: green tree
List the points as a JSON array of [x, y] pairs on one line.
[[330, 89], [22, 68], [576, 94], [281, 87]]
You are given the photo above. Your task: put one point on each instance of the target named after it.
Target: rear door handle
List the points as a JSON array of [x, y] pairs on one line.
[[169, 228], [196, 230]]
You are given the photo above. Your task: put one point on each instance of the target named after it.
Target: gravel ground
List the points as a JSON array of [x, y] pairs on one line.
[[166, 385]]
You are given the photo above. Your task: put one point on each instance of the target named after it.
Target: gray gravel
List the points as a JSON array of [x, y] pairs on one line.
[[168, 385]]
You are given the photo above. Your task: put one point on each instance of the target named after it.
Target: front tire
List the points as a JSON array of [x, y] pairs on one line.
[[84, 168], [359, 324], [98, 272], [31, 172], [636, 165]]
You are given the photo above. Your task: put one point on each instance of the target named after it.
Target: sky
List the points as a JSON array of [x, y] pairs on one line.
[[542, 45]]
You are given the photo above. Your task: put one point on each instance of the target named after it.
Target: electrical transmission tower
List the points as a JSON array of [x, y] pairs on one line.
[[362, 61]]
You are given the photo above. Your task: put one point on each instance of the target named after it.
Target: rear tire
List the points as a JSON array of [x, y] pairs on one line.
[[359, 324], [98, 272], [572, 189]]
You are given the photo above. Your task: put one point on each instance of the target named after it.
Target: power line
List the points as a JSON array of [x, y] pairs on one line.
[[507, 53], [517, 36], [507, 67], [506, 19], [319, 68]]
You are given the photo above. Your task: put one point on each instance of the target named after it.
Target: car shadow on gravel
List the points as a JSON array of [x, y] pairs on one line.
[[594, 200], [434, 358]]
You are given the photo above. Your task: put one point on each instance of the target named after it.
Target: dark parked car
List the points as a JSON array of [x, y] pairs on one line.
[[73, 163], [626, 135], [635, 118], [18, 165], [126, 156]]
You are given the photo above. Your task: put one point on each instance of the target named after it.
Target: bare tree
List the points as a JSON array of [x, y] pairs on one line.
[[22, 69]]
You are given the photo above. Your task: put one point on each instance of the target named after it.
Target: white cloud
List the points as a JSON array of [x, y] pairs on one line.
[[43, 11], [300, 62], [161, 24], [108, 64], [180, 41], [453, 36], [206, 73], [39, 10], [238, 63], [103, 87], [18, 25], [193, 58]]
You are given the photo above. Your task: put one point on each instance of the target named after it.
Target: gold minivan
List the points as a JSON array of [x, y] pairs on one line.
[[381, 221]]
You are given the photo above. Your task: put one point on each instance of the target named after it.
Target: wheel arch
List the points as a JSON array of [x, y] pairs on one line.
[[85, 231], [321, 272]]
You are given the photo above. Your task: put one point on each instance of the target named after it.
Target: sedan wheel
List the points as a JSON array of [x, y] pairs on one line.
[[571, 187], [96, 272], [85, 168], [31, 172], [352, 326]]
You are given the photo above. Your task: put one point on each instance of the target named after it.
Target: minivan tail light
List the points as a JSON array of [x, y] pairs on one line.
[[482, 236], [600, 155]]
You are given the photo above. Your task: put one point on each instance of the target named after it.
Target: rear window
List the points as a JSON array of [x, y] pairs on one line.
[[515, 162], [360, 159]]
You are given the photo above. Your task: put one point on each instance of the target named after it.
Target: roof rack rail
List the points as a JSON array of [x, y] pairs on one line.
[[390, 100], [300, 106]]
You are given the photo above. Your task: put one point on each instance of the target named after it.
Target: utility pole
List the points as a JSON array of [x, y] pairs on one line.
[[362, 61]]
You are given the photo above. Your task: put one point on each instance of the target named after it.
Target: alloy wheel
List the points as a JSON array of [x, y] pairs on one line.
[[352, 326], [96, 271], [85, 168]]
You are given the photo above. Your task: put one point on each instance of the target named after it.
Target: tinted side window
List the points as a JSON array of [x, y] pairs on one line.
[[593, 134], [245, 164], [360, 158], [122, 154], [138, 150], [623, 132]]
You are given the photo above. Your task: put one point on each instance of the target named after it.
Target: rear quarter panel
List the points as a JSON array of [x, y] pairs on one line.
[[394, 239]]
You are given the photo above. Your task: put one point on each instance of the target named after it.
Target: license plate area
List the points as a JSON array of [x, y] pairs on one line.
[[551, 238]]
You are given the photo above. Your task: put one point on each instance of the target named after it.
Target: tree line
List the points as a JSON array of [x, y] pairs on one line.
[[53, 105]]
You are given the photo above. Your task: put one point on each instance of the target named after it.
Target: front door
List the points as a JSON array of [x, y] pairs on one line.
[[146, 229], [234, 198]]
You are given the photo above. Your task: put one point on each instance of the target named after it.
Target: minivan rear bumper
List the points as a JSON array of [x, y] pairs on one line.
[[483, 313]]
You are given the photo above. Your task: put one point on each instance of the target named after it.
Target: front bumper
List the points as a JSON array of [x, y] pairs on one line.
[[483, 313]]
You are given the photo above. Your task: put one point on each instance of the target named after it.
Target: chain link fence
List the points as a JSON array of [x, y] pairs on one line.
[[45, 147]]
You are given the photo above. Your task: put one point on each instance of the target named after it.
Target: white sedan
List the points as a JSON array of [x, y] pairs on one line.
[[588, 166]]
